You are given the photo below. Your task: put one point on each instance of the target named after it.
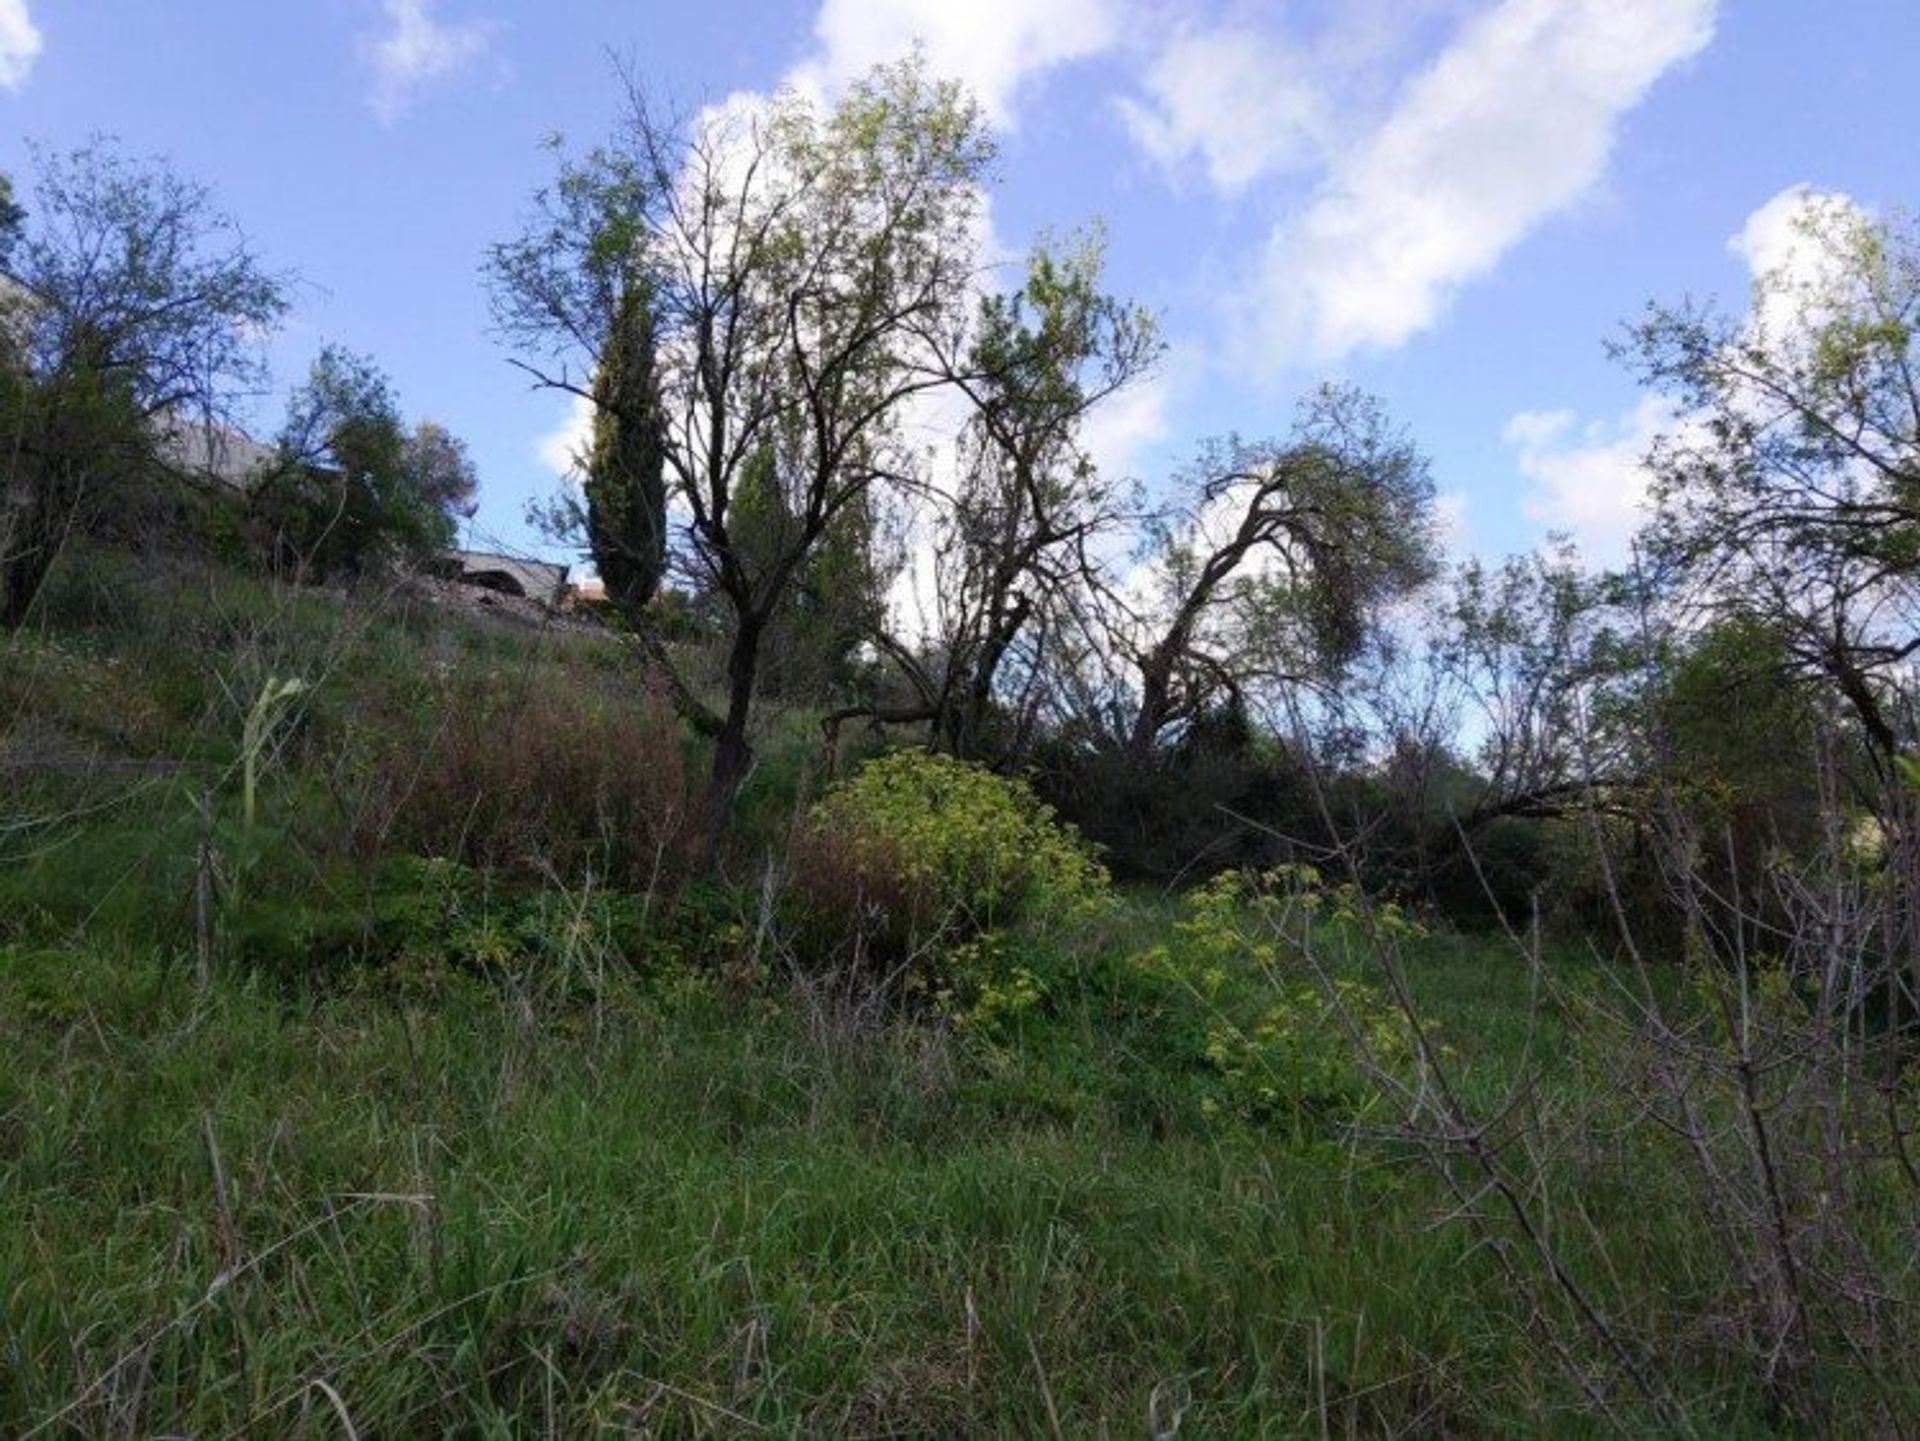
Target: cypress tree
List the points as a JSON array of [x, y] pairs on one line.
[[626, 488]]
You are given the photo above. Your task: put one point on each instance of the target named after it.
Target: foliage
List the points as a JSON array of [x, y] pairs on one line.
[[767, 378], [351, 488], [1012, 543], [1274, 563], [1223, 795], [623, 476], [1288, 1043], [963, 842], [837, 596], [419, 1125], [1790, 490], [132, 271], [139, 312]]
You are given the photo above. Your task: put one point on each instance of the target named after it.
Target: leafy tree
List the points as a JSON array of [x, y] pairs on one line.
[[440, 476], [1015, 543], [805, 271], [351, 487], [1789, 488], [138, 309], [1740, 731], [1272, 566]]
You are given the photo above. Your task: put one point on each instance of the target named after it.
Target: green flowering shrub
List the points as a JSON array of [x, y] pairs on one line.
[[1296, 1064], [988, 986], [1283, 1040], [958, 838], [920, 856]]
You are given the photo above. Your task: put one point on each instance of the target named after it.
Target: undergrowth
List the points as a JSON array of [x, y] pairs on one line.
[[425, 1094]]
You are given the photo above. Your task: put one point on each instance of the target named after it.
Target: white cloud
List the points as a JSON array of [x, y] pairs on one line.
[[1589, 481], [1244, 105], [1450, 526], [1773, 238], [992, 46], [560, 449], [1792, 270], [416, 50], [20, 43], [1121, 429], [1511, 124]]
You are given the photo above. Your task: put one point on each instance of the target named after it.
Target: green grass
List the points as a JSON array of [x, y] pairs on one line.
[[467, 1213], [412, 1159], [686, 1216]]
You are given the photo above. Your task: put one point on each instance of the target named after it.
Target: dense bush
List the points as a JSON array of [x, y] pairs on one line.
[[536, 781], [1221, 796], [1281, 1024], [919, 853], [959, 839]]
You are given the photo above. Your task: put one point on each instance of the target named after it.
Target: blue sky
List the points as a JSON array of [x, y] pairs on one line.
[[1451, 202]]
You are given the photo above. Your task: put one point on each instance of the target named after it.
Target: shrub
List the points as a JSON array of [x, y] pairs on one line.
[[1281, 1029], [958, 838], [537, 781], [1179, 813], [926, 852]]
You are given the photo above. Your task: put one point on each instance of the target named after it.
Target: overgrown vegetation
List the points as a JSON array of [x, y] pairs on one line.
[[1176, 986]]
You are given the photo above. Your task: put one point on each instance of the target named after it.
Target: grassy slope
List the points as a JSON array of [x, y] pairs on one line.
[[455, 1218], [476, 1210]]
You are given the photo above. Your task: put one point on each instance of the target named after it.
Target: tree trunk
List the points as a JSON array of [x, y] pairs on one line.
[[732, 750], [26, 553], [1156, 691], [970, 725]]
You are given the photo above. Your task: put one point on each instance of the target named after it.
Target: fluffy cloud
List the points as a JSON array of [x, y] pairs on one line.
[[1511, 124], [561, 448], [1242, 105], [1773, 238], [993, 46], [1588, 481], [1121, 429], [19, 44], [1450, 526], [415, 50], [1779, 242]]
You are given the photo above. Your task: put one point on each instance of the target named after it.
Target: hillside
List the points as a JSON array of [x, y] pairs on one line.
[[423, 1100]]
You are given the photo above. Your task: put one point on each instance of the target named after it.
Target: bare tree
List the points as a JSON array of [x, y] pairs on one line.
[[1544, 655], [806, 272], [1273, 563], [1011, 554]]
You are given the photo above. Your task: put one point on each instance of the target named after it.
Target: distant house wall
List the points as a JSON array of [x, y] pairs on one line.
[[513, 575], [208, 450]]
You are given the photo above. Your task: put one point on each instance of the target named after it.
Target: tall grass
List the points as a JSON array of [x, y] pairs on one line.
[[252, 1211], [477, 1144]]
